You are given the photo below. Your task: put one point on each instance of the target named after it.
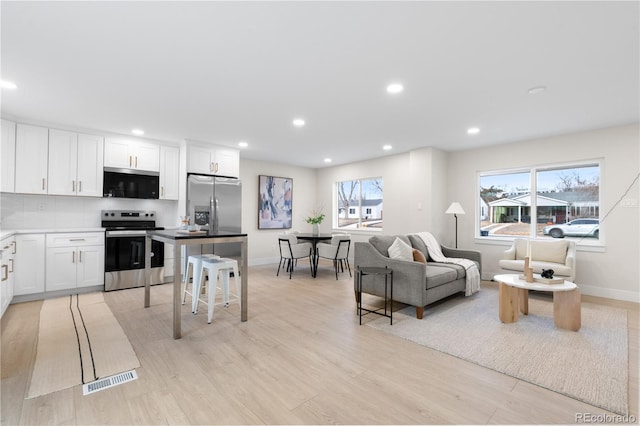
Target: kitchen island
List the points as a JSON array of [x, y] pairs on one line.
[[178, 239]]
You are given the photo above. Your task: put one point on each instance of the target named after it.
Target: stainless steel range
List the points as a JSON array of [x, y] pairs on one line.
[[125, 248]]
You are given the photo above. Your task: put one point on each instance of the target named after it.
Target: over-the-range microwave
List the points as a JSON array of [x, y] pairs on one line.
[[126, 183]]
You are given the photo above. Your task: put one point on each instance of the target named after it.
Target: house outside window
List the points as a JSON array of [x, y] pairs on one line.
[[359, 204], [534, 202]]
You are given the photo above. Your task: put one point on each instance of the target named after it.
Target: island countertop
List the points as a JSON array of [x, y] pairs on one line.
[[178, 240], [177, 234]]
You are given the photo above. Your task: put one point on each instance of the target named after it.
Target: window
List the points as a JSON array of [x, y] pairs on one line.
[[359, 204], [566, 202]]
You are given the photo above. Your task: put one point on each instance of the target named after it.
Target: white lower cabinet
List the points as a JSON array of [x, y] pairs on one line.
[[29, 264], [74, 260], [7, 252]]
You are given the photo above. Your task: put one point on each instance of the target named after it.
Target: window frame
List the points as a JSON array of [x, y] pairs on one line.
[[588, 244], [358, 208]]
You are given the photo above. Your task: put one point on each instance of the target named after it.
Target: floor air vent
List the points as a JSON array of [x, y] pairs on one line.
[[109, 382]]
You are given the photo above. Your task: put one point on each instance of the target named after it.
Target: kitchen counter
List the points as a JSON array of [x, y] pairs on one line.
[[177, 240], [9, 232]]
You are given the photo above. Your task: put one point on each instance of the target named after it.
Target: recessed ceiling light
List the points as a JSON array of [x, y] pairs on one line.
[[537, 89], [473, 130], [395, 88], [387, 147], [8, 85], [327, 160], [137, 132], [298, 122], [243, 144]]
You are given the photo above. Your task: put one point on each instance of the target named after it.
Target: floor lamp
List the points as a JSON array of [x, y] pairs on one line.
[[455, 209]]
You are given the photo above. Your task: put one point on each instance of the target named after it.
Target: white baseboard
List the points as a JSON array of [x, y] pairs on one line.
[[610, 293]]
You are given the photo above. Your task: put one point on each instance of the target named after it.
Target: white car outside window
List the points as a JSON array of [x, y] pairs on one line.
[[575, 228]]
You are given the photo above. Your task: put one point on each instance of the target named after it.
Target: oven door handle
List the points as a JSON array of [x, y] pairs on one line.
[[125, 233]]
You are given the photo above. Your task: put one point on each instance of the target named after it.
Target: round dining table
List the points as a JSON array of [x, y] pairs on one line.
[[314, 238]]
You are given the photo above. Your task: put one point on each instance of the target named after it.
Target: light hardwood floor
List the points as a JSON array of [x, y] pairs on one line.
[[301, 358]]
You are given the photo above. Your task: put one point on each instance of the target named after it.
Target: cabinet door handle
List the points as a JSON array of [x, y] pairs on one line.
[[76, 239], [136, 162], [79, 186], [130, 161], [211, 167], [217, 167], [73, 186], [5, 271], [73, 257], [43, 182], [15, 247], [11, 260], [162, 191], [79, 256]]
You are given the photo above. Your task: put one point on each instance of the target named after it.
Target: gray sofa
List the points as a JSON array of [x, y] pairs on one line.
[[414, 283]]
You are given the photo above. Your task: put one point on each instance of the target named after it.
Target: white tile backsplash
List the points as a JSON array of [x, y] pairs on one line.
[[20, 211]]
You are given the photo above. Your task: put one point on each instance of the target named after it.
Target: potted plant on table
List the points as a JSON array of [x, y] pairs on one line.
[[315, 219]]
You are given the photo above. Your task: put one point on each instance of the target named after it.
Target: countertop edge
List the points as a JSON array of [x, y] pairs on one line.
[[5, 233]]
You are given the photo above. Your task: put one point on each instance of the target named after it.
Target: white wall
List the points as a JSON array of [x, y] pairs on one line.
[[263, 243], [612, 272], [418, 188], [414, 199]]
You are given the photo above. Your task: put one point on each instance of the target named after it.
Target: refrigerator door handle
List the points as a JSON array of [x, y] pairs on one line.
[[214, 205]]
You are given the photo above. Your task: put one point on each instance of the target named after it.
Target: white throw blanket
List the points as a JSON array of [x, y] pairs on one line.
[[435, 252]]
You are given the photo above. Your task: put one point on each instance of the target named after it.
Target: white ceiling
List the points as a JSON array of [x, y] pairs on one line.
[[230, 71]]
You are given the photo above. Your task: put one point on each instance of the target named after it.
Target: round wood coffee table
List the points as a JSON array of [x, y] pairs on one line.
[[514, 298]]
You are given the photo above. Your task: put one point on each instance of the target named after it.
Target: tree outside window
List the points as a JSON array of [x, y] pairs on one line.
[[359, 204], [562, 194]]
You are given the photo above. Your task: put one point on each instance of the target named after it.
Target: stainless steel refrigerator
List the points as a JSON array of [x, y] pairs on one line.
[[215, 204]]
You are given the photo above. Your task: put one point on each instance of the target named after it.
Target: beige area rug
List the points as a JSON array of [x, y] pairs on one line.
[[79, 341], [590, 365]]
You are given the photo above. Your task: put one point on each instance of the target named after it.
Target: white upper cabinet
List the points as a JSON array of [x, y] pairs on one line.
[[212, 160], [31, 159], [227, 162], [90, 165], [75, 164], [63, 162], [126, 153], [169, 172], [8, 156]]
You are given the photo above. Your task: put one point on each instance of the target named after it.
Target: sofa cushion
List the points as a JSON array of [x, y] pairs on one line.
[[401, 250], [543, 251], [459, 269], [418, 256], [418, 243], [549, 251], [383, 242], [559, 269], [439, 274]]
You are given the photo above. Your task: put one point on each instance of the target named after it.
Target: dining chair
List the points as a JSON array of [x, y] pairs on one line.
[[291, 250], [337, 251]]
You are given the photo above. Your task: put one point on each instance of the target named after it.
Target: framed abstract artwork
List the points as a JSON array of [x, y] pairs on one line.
[[274, 202]]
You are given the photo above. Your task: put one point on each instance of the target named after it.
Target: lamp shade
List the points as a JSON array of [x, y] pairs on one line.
[[455, 208]]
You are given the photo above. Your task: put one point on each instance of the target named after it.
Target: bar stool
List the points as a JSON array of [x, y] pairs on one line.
[[194, 271], [214, 268]]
